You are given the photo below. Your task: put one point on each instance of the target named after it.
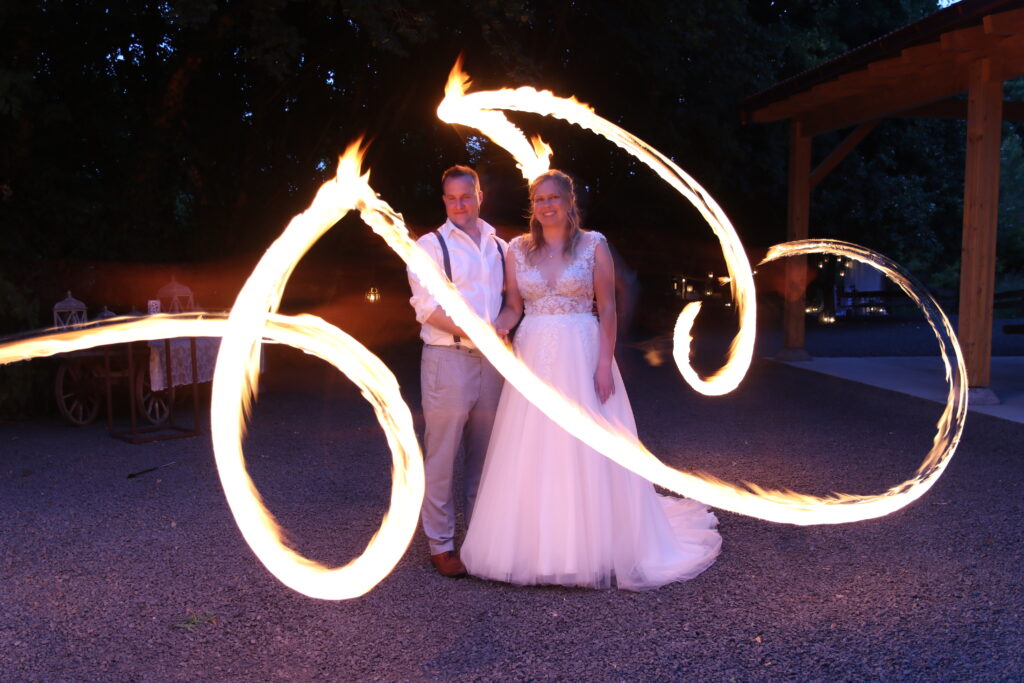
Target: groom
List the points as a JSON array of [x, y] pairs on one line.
[[460, 388]]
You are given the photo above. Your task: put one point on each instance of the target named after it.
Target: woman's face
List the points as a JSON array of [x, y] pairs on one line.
[[550, 205]]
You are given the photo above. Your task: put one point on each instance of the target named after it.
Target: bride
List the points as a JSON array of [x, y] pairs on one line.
[[550, 509]]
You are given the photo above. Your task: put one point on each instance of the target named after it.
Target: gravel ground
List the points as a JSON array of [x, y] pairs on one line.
[[106, 578]]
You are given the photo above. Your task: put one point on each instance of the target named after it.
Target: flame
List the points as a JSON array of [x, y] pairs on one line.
[[254, 320], [321, 339], [541, 149], [531, 158], [481, 110]]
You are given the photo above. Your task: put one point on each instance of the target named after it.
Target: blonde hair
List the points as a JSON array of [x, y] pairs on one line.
[[572, 212]]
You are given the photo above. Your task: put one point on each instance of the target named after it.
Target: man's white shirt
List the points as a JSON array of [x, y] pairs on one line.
[[477, 274]]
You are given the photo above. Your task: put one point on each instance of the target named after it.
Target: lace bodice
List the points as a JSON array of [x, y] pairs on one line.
[[572, 292]]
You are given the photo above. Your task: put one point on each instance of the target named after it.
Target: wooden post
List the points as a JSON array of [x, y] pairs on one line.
[[981, 214], [796, 229]]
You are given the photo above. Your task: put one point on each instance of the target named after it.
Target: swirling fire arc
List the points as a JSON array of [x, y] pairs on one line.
[[254, 319]]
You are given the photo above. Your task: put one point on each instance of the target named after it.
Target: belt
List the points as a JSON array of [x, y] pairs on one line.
[[458, 347]]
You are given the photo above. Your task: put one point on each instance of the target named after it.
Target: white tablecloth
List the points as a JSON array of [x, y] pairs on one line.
[[181, 361]]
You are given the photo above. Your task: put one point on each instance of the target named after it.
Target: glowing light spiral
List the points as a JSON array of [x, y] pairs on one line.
[[481, 111], [323, 340], [254, 319]]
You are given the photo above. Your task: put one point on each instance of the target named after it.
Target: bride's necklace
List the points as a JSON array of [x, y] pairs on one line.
[[550, 252]]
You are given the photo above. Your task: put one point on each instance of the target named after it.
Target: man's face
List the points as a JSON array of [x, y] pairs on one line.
[[462, 201]]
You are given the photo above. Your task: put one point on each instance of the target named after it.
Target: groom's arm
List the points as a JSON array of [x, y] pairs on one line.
[[428, 311], [441, 321]]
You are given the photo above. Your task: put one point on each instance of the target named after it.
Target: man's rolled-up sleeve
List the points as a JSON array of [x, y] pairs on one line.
[[422, 302]]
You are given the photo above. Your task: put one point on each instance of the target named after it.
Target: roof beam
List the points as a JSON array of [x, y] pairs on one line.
[[966, 39], [957, 109], [882, 103], [840, 152], [919, 76], [892, 68], [1005, 23], [926, 54], [927, 86]]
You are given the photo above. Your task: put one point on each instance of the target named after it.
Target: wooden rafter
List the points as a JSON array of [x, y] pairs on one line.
[[920, 71], [840, 152], [957, 109], [1005, 23], [918, 75]]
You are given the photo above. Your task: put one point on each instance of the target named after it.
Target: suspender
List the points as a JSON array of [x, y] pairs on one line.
[[448, 265]]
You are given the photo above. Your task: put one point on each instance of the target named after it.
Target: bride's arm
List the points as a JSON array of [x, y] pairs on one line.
[[512, 311], [604, 292]]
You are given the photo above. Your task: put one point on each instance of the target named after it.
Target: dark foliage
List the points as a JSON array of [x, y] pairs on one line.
[[191, 130]]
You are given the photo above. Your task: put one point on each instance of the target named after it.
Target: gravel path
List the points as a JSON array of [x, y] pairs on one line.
[[105, 578]]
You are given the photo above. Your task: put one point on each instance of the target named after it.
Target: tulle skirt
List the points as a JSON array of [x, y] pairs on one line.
[[551, 510]]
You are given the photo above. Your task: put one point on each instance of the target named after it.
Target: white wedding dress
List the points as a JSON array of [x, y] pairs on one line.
[[551, 510]]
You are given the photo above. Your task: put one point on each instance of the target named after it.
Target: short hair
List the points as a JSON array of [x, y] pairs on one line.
[[460, 171]]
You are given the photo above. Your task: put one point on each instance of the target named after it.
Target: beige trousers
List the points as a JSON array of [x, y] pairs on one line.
[[460, 396]]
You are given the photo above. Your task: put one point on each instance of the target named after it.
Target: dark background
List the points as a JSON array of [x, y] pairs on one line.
[[141, 140]]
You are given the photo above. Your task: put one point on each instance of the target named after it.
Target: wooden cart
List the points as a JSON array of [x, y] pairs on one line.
[[86, 380]]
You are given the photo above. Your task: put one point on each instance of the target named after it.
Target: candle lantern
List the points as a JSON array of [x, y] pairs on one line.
[[69, 312], [176, 297], [373, 295], [104, 314]]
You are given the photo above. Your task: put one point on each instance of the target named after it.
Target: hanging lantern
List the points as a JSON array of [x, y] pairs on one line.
[[69, 312], [373, 295], [104, 314], [176, 298]]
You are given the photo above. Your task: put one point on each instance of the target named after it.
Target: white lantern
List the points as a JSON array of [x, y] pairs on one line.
[[176, 298], [69, 312], [104, 314], [373, 295]]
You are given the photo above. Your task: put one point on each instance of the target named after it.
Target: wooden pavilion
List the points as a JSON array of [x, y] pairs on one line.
[[921, 70]]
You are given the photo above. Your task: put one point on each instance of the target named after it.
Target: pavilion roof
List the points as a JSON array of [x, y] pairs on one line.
[[902, 73]]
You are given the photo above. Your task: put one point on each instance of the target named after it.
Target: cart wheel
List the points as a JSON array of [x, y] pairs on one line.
[[154, 405], [77, 389]]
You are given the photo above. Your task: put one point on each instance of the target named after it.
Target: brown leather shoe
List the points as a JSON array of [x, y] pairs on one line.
[[448, 564]]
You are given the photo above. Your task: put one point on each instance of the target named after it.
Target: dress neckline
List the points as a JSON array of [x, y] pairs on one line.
[[552, 285]]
